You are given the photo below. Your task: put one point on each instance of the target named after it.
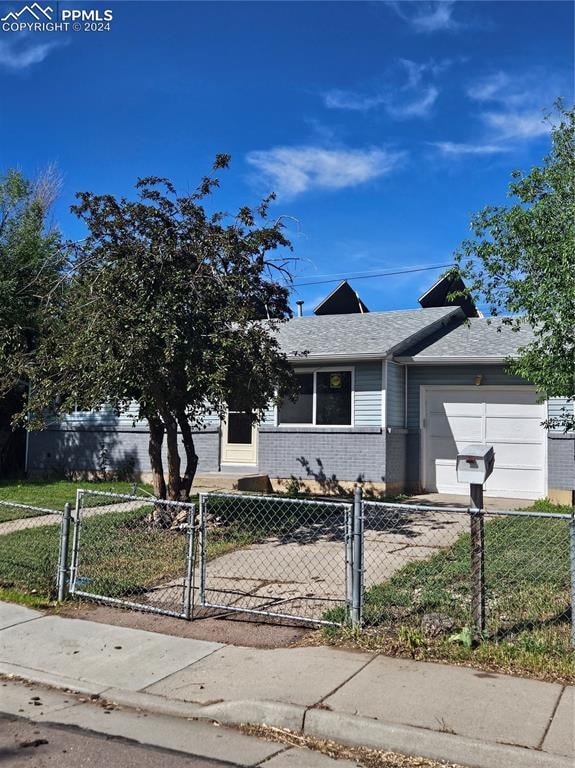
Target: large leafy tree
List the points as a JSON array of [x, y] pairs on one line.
[[30, 266], [521, 262], [168, 306]]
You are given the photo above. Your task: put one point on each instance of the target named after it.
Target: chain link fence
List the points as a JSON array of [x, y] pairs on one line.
[[29, 548], [397, 569], [424, 574], [134, 551], [274, 556]]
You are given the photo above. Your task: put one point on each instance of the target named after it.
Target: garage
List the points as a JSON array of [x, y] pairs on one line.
[[509, 418]]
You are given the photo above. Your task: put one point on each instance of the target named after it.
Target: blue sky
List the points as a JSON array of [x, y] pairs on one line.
[[382, 126]]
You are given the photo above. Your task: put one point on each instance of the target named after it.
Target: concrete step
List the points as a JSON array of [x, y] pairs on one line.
[[227, 481]]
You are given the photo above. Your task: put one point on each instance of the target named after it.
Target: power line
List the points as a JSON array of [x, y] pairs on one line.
[[379, 274]]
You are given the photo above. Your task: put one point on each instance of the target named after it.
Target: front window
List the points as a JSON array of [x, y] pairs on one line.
[[324, 400]]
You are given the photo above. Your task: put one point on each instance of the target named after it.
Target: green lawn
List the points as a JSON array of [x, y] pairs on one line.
[[51, 495], [528, 601], [122, 555]]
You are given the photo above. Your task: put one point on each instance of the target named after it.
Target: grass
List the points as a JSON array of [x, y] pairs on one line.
[[50, 495], [528, 601], [123, 556]]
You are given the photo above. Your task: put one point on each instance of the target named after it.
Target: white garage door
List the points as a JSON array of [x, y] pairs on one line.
[[507, 418]]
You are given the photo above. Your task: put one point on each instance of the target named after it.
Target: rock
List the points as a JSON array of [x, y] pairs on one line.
[[436, 624], [181, 518]]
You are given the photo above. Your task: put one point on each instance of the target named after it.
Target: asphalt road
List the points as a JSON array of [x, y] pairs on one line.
[[24, 744]]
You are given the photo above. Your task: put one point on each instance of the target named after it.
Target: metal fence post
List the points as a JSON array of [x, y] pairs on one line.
[[202, 545], [357, 566], [477, 557], [189, 578], [349, 560], [75, 540], [63, 555], [572, 552]]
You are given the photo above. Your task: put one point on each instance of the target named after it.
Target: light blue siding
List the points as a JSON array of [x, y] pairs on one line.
[[105, 418], [395, 397], [270, 416], [367, 400], [557, 408]]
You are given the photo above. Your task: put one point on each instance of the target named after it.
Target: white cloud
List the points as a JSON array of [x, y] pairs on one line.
[[489, 88], [337, 99], [514, 104], [406, 91], [426, 17], [454, 149], [517, 125], [15, 54], [294, 170], [512, 110], [420, 107]]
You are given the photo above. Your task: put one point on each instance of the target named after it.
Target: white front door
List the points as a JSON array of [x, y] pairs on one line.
[[239, 439], [509, 418]]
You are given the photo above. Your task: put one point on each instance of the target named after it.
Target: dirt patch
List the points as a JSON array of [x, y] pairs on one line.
[[362, 756], [229, 629]]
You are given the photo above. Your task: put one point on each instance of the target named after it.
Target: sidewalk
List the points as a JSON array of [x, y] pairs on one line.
[[438, 711]]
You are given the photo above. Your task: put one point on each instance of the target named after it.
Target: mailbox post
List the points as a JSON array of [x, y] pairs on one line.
[[474, 465]]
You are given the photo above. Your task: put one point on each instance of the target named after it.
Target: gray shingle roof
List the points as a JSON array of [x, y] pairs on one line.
[[479, 337], [370, 335]]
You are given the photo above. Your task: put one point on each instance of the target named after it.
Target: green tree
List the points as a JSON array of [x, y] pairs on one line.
[[521, 262], [29, 269], [165, 307]]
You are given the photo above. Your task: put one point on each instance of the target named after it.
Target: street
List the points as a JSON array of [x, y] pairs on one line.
[[24, 744]]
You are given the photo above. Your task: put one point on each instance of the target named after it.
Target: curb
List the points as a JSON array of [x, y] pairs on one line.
[[351, 730]]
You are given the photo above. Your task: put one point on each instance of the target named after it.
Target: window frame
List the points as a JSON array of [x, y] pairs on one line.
[[313, 425]]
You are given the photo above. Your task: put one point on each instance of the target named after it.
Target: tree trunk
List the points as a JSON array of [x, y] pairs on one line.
[[191, 456], [173, 456], [155, 452]]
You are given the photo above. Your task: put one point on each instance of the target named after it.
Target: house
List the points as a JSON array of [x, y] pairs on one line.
[[386, 396]]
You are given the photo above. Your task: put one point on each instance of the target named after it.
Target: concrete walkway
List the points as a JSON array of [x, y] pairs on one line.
[[55, 518], [438, 711]]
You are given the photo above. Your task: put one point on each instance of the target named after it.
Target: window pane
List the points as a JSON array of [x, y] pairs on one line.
[[333, 397], [300, 412], [239, 428]]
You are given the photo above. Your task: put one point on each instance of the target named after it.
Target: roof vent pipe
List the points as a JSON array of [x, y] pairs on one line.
[[299, 303]]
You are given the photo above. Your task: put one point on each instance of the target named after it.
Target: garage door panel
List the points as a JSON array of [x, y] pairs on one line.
[[519, 454], [458, 425], [508, 418], [530, 409], [455, 408], [508, 428], [522, 482]]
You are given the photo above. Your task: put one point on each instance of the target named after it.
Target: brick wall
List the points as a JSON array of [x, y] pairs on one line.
[[561, 461], [347, 454], [78, 450], [395, 459]]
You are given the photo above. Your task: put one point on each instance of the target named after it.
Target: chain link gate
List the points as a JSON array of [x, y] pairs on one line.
[[276, 557], [134, 551]]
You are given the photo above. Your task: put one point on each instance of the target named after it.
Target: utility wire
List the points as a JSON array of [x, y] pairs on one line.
[[379, 274]]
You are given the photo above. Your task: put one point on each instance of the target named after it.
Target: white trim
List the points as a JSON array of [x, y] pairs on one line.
[[225, 444], [425, 388], [314, 372], [405, 425], [384, 393], [435, 284], [442, 360]]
